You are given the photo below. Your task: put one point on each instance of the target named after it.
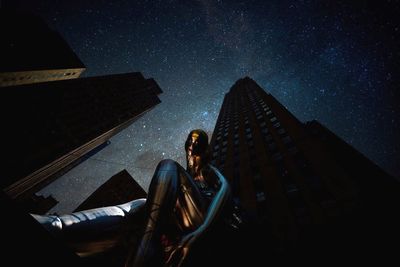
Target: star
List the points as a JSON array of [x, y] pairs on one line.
[[330, 62]]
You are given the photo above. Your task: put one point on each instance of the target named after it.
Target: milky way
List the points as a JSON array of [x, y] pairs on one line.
[[336, 63]]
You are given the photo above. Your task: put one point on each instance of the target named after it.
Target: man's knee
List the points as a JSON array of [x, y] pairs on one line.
[[167, 165], [166, 174]]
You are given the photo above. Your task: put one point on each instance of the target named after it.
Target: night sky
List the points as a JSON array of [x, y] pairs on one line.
[[334, 62]]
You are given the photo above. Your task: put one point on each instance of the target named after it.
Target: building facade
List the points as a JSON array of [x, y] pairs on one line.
[[288, 177]]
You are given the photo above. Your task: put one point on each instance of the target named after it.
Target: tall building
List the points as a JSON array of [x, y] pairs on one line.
[[307, 187], [48, 126], [31, 52]]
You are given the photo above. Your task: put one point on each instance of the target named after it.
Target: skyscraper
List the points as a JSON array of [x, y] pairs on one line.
[[50, 125], [299, 180]]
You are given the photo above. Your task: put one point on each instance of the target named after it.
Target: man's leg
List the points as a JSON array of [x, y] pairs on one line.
[[160, 203]]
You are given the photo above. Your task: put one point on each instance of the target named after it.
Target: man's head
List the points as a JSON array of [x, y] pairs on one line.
[[196, 143]]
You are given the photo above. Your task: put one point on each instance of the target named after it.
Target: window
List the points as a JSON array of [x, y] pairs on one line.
[[277, 125], [236, 183], [313, 180], [277, 156], [250, 143], [272, 147], [281, 131], [236, 161], [273, 119], [293, 150], [286, 139], [281, 170], [268, 138], [264, 131], [291, 188], [328, 203], [260, 196]]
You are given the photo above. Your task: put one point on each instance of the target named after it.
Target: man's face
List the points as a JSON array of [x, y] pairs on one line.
[[193, 143]]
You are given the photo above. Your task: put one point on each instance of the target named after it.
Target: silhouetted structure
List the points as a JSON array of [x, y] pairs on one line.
[[314, 194], [48, 126], [31, 52], [39, 204], [28, 243], [119, 189]]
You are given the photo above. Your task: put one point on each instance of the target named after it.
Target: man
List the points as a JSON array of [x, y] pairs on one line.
[[181, 206]]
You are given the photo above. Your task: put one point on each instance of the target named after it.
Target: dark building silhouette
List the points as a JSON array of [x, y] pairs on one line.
[[48, 126], [28, 242], [31, 52], [39, 204], [309, 190], [119, 189]]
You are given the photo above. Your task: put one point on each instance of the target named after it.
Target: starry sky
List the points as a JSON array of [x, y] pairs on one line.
[[334, 61]]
